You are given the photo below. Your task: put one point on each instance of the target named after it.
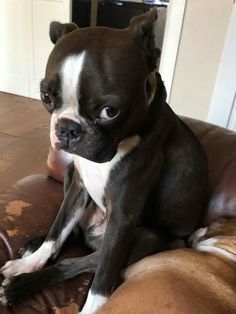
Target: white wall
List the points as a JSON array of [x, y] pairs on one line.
[[201, 46]]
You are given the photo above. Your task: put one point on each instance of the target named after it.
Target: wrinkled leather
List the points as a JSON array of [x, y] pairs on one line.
[[219, 145], [220, 148], [30, 206], [223, 201], [28, 210]]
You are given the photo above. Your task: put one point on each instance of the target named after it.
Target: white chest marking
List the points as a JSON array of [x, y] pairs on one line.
[[95, 175]]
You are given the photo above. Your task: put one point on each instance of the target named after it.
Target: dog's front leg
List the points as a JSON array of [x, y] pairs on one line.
[[114, 252], [72, 208], [125, 203]]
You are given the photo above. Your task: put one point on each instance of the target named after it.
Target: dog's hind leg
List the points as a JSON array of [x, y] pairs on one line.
[[145, 242], [71, 210]]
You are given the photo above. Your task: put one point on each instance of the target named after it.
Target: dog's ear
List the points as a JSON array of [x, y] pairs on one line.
[[58, 29], [143, 27]]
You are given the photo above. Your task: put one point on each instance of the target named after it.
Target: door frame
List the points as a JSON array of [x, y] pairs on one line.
[[173, 29], [222, 109]]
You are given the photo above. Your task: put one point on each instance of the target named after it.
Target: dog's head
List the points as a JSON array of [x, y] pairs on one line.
[[98, 85]]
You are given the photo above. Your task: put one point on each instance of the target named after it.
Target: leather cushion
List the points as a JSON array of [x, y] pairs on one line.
[[28, 210]]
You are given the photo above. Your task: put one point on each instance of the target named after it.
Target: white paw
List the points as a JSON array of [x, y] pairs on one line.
[[6, 282], [93, 303], [19, 266], [30, 263], [26, 253], [3, 299]]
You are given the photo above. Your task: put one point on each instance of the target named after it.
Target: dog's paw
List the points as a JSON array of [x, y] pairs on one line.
[[93, 303], [19, 266], [3, 298], [14, 290]]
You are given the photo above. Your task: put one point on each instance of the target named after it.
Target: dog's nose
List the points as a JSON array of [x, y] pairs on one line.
[[67, 129]]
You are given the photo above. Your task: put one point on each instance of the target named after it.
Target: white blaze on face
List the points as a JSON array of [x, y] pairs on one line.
[[70, 81]]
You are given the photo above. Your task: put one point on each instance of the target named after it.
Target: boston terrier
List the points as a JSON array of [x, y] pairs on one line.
[[138, 180]]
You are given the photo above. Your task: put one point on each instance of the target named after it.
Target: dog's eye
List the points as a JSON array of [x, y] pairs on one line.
[[45, 98], [109, 113]]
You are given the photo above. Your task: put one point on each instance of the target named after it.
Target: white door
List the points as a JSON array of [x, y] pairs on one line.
[[25, 44], [14, 48], [223, 105]]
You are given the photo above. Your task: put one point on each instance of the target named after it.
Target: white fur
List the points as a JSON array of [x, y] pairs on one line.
[[197, 235], [95, 175], [70, 75], [28, 263], [3, 298], [200, 232], [70, 226], [53, 138], [93, 303], [208, 246], [70, 81]]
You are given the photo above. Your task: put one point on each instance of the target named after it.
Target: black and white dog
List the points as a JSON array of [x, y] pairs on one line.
[[138, 181]]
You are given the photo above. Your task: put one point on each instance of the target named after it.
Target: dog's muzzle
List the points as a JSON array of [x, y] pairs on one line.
[[68, 133]]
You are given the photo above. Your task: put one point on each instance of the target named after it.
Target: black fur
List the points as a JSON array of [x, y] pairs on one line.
[[156, 193]]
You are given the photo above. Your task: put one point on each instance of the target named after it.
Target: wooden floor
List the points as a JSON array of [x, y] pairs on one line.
[[24, 138]]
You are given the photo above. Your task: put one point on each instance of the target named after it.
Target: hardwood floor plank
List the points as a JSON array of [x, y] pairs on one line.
[[6, 139], [4, 165], [24, 138]]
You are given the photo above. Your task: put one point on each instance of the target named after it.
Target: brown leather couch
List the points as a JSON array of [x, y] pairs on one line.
[[29, 207]]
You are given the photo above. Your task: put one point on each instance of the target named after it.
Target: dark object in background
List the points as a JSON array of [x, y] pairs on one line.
[[81, 10], [117, 14], [111, 13]]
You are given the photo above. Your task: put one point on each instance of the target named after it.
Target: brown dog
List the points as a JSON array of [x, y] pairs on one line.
[[200, 280]]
